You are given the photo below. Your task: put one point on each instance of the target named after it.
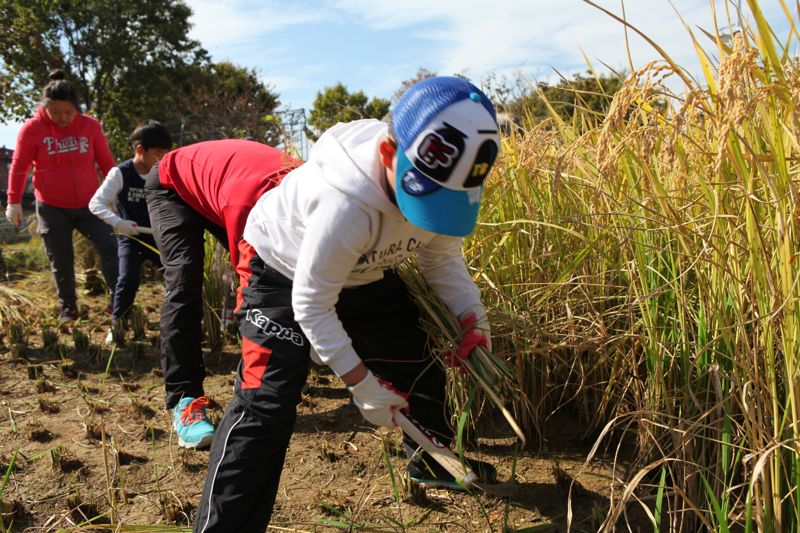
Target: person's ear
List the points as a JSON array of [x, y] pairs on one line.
[[387, 149], [139, 149]]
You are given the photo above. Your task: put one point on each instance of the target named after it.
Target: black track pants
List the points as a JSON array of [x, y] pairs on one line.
[[250, 445], [179, 234]]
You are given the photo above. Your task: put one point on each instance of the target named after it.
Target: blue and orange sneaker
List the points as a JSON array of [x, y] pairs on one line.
[[191, 423]]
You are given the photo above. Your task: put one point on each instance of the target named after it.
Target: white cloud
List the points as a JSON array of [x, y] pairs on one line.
[[533, 37], [236, 22], [504, 37], [293, 82], [528, 34]]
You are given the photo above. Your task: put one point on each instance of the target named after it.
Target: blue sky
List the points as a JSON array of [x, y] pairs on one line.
[[299, 48]]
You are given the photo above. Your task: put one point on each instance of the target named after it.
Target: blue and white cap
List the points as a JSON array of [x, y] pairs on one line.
[[448, 140]]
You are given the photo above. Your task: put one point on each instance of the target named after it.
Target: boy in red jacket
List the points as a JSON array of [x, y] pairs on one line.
[[205, 186], [64, 146]]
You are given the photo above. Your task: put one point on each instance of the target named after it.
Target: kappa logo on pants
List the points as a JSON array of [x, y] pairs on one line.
[[270, 328]]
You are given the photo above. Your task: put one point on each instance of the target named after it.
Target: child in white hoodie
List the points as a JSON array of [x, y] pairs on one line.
[[316, 274]]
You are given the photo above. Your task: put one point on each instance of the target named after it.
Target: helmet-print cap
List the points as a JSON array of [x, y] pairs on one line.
[[448, 140]]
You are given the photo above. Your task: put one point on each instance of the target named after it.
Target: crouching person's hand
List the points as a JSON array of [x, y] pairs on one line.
[[377, 400]]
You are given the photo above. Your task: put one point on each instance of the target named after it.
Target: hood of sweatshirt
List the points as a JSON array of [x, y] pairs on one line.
[[347, 155], [41, 114]]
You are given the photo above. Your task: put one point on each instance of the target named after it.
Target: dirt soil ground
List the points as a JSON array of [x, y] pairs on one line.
[[87, 439]]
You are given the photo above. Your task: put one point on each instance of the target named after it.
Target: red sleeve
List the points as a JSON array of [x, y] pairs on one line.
[[24, 153], [235, 217], [102, 153]]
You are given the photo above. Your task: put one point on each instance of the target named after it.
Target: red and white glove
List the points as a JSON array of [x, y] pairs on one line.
[[476, 333], [14, 214], [377, 400], [127, 227]]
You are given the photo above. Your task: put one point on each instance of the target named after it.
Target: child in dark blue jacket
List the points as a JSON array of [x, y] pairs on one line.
[[120, 202]]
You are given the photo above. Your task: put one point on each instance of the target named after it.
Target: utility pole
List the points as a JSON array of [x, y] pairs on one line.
[[293, 132]]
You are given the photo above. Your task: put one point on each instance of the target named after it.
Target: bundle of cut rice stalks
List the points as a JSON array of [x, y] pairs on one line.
[[16, 305], [489, 372]]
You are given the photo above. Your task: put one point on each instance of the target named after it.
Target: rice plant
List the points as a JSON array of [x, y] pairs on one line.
[[3, 485], [17, 259], [49, 339], [138, 321], [217, 288], [13, 305], [487, 373], [17, 338], [643, 271], [81, 340]]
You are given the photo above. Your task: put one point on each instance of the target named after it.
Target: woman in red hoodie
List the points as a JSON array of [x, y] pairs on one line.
[[66, 148]]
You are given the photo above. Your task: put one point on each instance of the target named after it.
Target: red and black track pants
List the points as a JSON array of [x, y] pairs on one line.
[[250, 444]]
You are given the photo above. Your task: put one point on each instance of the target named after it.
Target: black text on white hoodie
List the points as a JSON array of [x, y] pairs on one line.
[[330, 225]]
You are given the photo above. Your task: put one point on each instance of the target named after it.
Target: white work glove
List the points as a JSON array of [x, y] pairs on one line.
[[126, 227], [377, 400], [14, 214]]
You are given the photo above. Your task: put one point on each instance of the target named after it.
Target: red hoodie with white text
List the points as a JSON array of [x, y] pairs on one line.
[[64, 160]]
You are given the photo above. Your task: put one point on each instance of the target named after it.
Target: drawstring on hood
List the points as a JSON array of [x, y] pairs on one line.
[[56, 130], [55, 133], [44, 117]]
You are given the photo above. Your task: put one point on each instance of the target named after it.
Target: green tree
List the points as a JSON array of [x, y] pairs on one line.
[[225, 101], [336, 104], [128, 59], [568, 96], [422, 74]]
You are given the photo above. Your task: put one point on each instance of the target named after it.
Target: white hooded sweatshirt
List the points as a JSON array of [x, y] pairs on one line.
[[331, 225]]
